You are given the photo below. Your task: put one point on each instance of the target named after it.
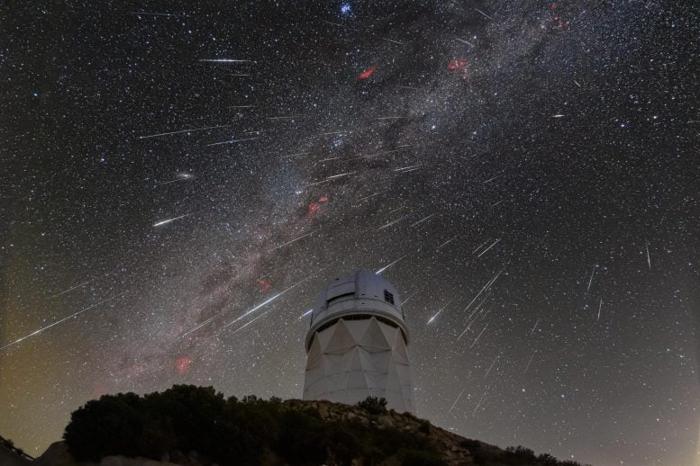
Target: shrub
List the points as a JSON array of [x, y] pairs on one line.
[[373, 405]]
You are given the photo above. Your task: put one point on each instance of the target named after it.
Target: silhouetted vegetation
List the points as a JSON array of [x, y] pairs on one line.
[[197, 425], [373, 405], [188, 419]]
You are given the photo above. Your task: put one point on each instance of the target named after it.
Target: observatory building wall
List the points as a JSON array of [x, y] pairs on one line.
[[357, 344]]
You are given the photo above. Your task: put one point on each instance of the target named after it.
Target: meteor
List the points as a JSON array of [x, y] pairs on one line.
[[491, 366], [483, 14], [306, 313], [169, 220], [415, 224], [430, 321], [71, 289], [43, 329], [446, 243], [479, 336], [223, 60], [464, 41], [180, 177], [294, 240], [487, 249], [180, 131], [249, 323], [484, 288], [648, 256], [379, 271], [231, 141], [265, 303], [590, 280], [407, 169], [197, 327], [456, 401], [393, 222], [146, 13]]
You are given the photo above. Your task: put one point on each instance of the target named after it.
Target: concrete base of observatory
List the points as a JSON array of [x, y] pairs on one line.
[[358, 348]]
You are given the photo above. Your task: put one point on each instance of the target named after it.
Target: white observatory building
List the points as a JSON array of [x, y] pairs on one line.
[[357, 344]]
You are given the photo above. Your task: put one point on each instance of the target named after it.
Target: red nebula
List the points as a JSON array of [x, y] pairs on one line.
[[458, 64], [315, 206], [557, 22], [367, 73], [182, 364], [264, 285], [313, 209]]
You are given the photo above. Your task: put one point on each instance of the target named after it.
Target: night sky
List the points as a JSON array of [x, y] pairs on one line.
[[180, 180]]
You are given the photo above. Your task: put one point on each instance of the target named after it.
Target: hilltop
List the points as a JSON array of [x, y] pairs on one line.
[[196, 426]]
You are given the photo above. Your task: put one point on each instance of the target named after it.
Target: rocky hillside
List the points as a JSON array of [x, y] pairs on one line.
[[196, 426]]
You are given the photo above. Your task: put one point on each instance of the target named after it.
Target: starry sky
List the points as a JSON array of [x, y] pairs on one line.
[[180, 179]]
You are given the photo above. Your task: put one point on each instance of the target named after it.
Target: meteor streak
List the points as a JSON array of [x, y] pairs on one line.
[[456, 401], [590, 280], [484, 288], [393, 222], [249, 323], [223, 60], [331, 178], [487, 249], [169, 220], [370, 196], [43, 329], [198, 327], [479, 336], [231, 141], [534, 327], [71, 289], [415, 224], [464, 41], [265, 303], [407, 169], [379, 271], [530, 361], [648, 256], [294, 240], [484, 14], [446, 243], [188, 130], [434, 316], [478, 405], [306, 313], [491, 366], [180, 177], [146, 13]]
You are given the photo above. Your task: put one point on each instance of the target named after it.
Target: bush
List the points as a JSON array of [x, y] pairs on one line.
[[373, 405]]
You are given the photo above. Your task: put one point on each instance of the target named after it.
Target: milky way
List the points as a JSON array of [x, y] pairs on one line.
[[180, 181]]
